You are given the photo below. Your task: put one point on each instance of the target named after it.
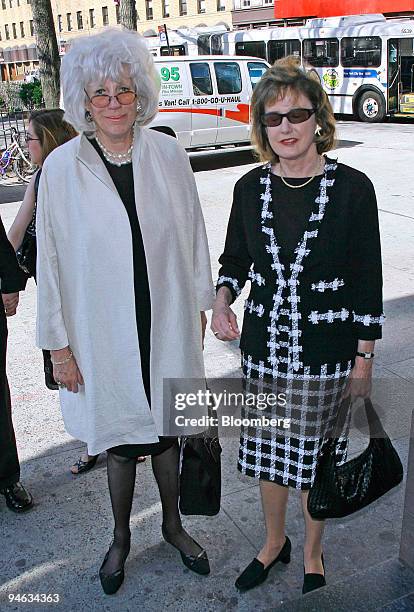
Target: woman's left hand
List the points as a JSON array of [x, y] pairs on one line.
[[360, 379]]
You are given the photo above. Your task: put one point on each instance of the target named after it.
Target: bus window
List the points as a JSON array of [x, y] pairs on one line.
[[255, 49], [174, 50], [200, 75], [321, 52], [228, 77], [203, 44], [256, 71], [217, 44], [361, 51], [277, 49]]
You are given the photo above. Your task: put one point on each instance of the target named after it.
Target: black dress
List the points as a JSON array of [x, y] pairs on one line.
[[313, 259], [123, 179]]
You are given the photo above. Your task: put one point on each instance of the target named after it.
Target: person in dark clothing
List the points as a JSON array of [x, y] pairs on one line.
[[12, 281], [304, 230]]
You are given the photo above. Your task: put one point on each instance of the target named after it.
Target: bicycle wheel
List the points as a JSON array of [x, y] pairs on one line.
[[23, 169]]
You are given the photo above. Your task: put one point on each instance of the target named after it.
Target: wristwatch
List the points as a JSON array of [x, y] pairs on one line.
[[365, 355]]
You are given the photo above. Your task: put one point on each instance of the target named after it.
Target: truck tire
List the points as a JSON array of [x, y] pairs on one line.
[[371, 107]]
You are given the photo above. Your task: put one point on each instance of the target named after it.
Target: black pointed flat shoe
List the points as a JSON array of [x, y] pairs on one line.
[[112, 582], [196, 563], [311, 582], [256, 573], [17, 498]]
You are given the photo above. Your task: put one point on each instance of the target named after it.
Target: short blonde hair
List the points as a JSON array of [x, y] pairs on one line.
[[105, 56], [286, 75]]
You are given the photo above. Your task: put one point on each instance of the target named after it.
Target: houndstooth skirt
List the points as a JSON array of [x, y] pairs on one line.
[[282, 443]]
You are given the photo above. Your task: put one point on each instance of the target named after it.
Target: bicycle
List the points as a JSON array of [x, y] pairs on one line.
[[14, 160]]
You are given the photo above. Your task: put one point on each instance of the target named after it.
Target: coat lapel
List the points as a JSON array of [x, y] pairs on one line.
[[90, 158]]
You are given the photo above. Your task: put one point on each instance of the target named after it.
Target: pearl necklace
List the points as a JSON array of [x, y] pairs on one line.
[[321, 160], [117, 159]]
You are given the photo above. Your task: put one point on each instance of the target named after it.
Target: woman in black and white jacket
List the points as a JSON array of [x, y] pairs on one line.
[[304, 230]]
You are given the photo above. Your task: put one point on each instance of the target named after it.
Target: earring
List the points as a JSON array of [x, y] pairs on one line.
[[318, 130], [88, 116]]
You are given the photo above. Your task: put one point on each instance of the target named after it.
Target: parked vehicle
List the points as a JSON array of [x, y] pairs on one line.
[[205, 100]]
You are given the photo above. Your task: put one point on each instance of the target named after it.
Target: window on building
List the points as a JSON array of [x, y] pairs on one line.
[[200, 75], [221, 5], [29, 1], [91, 18], [79, 20], [321, 52], [14, 30], [69, 21], [11, 3], [183, 7], [22, 29], [276, 49], [3, 4], [7, 32], [201, 6], [148, 9], [362, 51], [117, 13], [31, 26], [165, 8], [105, 16], [59, 21], [246, 3], [254, 48], [228, 77]]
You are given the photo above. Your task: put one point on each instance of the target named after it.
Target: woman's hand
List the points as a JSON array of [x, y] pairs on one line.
[[360, 379], [66, 374], [10, 303], [224, 321]]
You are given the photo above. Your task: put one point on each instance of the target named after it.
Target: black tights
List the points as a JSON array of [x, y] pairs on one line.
[[121, 480]]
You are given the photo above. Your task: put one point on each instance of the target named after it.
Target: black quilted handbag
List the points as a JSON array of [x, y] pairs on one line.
[[340, 490], [200, 475]]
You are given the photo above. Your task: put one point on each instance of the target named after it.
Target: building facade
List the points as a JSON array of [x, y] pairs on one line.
[[18, 54]]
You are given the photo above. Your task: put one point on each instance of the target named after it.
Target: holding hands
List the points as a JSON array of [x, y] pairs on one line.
[[224, 321]]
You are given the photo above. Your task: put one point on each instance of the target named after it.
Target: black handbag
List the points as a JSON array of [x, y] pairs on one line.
[[27, 252], [200, 474], [340, 490]]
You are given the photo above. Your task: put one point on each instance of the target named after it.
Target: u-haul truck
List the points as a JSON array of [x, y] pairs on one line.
[[205, 100]]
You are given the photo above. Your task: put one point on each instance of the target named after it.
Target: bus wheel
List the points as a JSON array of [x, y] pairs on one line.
[[371, 107]]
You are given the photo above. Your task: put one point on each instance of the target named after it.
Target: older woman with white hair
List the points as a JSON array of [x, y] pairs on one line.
[[123, 278]]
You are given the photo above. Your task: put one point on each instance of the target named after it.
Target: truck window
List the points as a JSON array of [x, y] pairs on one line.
[[200, 75], [321, 52], [228, 77], [276, 49], [254, 48], [361, 51], [256, 70]]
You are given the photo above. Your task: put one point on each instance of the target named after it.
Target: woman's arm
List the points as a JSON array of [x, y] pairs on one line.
[[24, 215]]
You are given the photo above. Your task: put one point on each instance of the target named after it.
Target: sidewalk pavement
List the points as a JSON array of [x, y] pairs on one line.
[[58, 547]]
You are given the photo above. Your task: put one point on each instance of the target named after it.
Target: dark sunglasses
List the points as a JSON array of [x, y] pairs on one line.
[[296, 115], [104, 100]]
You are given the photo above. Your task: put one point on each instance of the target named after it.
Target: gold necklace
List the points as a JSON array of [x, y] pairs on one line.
[[303, 184]]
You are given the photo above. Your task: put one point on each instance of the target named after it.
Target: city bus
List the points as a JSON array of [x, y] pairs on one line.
[[364, 62]]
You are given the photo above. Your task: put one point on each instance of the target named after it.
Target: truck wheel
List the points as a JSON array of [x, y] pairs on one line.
[[371, 107]]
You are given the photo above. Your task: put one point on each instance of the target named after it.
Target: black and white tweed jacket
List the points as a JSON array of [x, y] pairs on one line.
[[332, 294]]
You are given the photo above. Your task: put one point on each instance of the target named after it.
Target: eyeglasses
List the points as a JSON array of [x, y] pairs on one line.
[[103, 100], [296, 115], [28, 138]]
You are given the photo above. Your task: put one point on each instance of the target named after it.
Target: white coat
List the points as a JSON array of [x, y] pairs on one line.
[[86, 285]]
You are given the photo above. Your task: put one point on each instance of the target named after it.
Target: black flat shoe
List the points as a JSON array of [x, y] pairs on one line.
[[17, 498], [112, 582], [311, 582], [84, 466], [256, 573], [196, 563]]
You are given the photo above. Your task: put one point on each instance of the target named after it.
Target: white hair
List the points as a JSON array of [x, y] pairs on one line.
[[105, 56]]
